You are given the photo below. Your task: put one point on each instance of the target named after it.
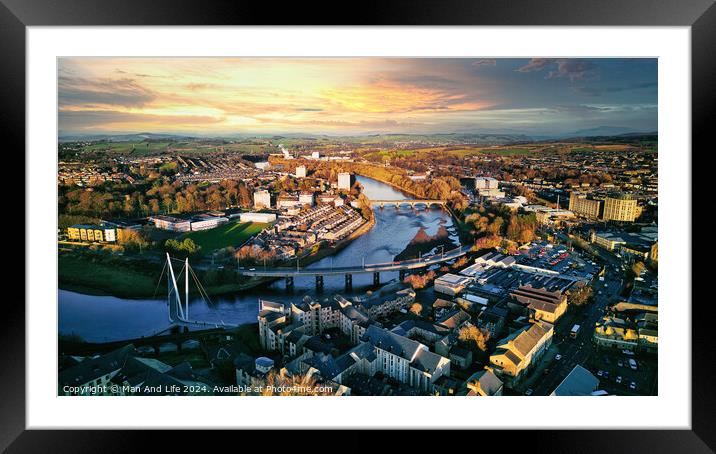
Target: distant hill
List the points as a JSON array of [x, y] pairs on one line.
[[602, 131], [123, 137]]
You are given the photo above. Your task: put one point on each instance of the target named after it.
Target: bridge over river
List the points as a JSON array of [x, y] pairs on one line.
[[348, 271], [412, 202]]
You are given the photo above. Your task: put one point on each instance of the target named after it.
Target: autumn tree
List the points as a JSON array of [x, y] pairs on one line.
[[474, 338], [418, 281], [579, 297], [285, 384], [637, 268]]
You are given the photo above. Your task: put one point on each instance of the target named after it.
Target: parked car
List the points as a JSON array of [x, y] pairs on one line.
[[620, 363], [632, 386], [558, 357], [600, 373], [528, 392], [619, 379]]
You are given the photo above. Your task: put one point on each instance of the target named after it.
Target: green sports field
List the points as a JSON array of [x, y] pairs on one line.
[[231, 234]]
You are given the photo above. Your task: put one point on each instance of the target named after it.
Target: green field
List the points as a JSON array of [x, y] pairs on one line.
[[80, 274], [95, 277], [231, 234]]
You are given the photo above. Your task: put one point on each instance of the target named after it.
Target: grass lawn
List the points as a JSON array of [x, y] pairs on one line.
[[85, 276], [230, 234]]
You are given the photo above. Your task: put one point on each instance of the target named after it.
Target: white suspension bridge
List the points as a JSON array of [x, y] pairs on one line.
[[178, 309]]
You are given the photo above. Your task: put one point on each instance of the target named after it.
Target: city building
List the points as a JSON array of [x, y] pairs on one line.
[[92, 233], [301, 172], [517, 353], [171, 223], [262, 199], [306, 198], [451, 284], [551, 216], [270, 315], [579, 203], [406, 360], [263, 218], [622, 207], [345, 180], [122, 372], [483, 383], [388, 300], [121, 228], [287, 201], [207, 221], [486, 183], [542, 303], [642, 245], [579, 382], [92, 376]]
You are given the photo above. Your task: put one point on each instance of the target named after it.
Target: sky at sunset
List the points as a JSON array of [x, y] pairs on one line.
[[227, 96]]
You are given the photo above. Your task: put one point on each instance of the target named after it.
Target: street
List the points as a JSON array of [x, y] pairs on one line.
[[581, 349]]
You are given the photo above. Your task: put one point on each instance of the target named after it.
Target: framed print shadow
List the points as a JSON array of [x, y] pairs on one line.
[[328, 225]]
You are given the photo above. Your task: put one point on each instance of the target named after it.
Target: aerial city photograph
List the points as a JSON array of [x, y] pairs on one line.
[[359, 226]]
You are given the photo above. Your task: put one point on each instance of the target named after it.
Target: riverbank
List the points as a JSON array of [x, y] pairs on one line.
[[83, 275], [98, 278]]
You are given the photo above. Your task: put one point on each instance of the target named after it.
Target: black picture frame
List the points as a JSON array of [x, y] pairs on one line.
[[700, 15]]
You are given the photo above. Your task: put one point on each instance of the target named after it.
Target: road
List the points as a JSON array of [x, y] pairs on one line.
[[581, 349]]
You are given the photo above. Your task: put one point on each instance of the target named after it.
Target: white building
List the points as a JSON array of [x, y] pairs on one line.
[[263, 218], [262, 199], [486, 183], [207, 221], [171, 223], [451, 284], [492, 193], [306, 198], [345, 180], [301, 172], [288, 201]]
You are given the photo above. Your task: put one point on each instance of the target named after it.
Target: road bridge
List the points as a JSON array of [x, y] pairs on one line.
[[348, 271], [411, 202]]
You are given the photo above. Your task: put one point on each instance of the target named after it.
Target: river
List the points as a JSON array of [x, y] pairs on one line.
[[107, 318]]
